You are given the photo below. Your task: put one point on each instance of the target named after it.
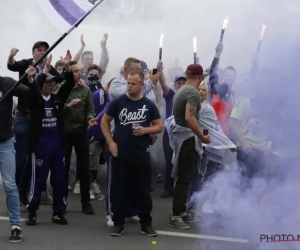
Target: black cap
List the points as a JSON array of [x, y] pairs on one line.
[[38, 44]]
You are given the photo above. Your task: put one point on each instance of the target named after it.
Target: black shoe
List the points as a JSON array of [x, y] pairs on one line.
[[31, 220], [23, 199], [16, 235], [59, 219], [148, 231], [167, 194], [117, 231], [87, 208], [189, 218]]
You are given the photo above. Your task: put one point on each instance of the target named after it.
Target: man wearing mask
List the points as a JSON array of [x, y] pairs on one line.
[[79, 112], [187, 148], [21, 126], [168, 95], [100, 98], [87, 58]]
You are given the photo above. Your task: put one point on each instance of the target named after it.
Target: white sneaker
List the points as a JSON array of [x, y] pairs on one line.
[[206, 208], [92, 196], [133, 219], [109, 221], [77, 188], [95, 188]]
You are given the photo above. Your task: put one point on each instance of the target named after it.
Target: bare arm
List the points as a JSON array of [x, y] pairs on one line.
[[80, 51], [104, 58], [190, 118], [157, 127], [162, 80], [105, 127]]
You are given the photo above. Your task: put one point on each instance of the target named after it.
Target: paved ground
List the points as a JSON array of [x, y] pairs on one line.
[[86, 232]]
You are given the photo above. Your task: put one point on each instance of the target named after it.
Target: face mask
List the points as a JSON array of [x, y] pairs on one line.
[[93, 79], [94, 83]]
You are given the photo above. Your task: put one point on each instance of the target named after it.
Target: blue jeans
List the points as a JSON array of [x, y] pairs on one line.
[[21, 129], [8, 171]]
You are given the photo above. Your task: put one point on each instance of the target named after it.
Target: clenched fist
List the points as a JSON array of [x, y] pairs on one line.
[[13, 52]]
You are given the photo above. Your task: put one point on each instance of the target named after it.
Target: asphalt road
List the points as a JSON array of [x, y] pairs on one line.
[[86, 232]]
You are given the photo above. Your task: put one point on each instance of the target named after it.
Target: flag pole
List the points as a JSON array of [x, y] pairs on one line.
[[52, 48]]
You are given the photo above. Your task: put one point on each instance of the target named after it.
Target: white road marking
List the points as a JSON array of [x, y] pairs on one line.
[[200, 236], [7, 218]]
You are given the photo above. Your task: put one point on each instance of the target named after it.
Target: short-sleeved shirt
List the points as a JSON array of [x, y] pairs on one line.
[[257, 137], [186, 94], [128, 113]]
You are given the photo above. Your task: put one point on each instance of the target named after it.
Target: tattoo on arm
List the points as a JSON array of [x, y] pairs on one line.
[[193, 110]]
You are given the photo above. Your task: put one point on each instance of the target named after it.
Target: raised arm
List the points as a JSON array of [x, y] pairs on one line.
[[104, 55], [33, 86], [213, 75], [12, 64], [80, 51], [162, 80], [66, 88]]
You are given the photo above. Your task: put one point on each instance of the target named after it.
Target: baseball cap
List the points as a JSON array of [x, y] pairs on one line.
[[179, 77], [194, 69], [51, 78], [144, 67], [39, 43]]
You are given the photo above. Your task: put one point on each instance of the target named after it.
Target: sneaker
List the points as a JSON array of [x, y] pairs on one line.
[[117, 231], [192, 211], [31, 219], [87, 208], [133, 219], [59, 219], [92, 196], [46, 199], [95, 188], [178, 223], [16, 234], [77, 188], [189, 218], [148, 231], [109, 221]]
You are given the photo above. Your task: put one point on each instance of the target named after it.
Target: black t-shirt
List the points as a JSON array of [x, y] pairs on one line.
[[127, 114]]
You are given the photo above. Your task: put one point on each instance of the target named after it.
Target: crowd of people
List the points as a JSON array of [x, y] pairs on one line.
[[207, 128]]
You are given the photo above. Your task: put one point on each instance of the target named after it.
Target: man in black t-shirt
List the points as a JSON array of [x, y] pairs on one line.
[[132, 113]]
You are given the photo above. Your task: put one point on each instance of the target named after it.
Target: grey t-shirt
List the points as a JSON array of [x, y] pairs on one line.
[[186, 94]]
